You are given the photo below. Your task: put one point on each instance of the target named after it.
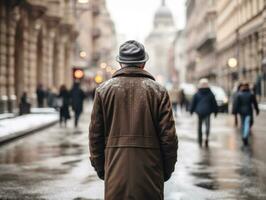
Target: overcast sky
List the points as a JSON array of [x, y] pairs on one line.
[[134, 18]]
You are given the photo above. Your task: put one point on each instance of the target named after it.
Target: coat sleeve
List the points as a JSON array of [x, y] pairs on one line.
[[96, 137], [215, 105], [193, 104], [167, 136]]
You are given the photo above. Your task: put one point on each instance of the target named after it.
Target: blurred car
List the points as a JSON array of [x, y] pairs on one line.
[[221, 98]]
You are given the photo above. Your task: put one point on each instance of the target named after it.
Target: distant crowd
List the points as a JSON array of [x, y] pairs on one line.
[[62, 100], [206, 100]]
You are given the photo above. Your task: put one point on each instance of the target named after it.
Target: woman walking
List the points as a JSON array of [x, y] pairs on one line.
[[245, 103], [64, 98]]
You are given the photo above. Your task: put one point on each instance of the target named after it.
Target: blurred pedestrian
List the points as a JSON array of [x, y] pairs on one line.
[[204, 104], [234, 97], [24, 105], [40, 95], [64, 98], [173, 93], [245, 103], [77, 98], [133, 143], [91, 92], [51, 97], [182, 100]]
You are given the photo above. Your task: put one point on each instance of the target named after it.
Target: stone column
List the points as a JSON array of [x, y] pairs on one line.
[[56, 83], [12, 19], [32, 59], [45, 67], [69, 62], [3, 62], [50, 50], [36, 12], [19, 63], [26, 64], [61, 62], [49, 56], [68, 47]]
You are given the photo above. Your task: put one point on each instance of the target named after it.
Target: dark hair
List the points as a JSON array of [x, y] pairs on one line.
[[239, 86], [63, 88]]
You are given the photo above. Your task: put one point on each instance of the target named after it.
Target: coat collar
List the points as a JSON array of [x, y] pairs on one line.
[[132, 72]]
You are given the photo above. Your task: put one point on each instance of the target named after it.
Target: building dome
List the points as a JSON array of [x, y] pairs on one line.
[[163, 12], [163, 15]]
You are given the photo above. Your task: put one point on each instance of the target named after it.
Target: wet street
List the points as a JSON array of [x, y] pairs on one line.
[[54, 164]]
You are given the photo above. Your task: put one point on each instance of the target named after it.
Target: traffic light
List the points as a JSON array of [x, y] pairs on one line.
[[78, 73]]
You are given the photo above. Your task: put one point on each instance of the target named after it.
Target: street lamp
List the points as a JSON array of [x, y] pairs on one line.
[[103, 65], [82, 54], [232, 62]]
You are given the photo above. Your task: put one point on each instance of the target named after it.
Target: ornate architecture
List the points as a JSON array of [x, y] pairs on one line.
[[180, 56], [200, 34], [36, 39], [104, 35], [159, 43], [241, 33], [219, 31]]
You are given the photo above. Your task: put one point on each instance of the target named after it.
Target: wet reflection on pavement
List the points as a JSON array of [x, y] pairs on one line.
[[54, 164]]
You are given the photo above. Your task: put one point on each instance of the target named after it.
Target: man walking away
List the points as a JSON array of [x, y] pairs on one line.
[[77, 97], [204, 104], [245, 103], [133, 143]]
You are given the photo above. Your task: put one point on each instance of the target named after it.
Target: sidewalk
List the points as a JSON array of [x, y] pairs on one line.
[[14, 127], [262, 106]]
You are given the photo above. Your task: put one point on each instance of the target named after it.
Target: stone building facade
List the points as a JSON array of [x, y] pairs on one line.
[[217, 31], [36, 42], [104, 35], [180, 56], [200, 35], [241, 34]]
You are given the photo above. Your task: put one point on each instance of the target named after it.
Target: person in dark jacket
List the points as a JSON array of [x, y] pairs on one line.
[[40, 95], [204, 104], [24, 105], [77, 98], [64, 97], [133, 143], [234, 97], [245, 103], [182, 100]]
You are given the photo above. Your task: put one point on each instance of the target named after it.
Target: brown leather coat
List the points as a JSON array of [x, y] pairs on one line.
[[133, 143]]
